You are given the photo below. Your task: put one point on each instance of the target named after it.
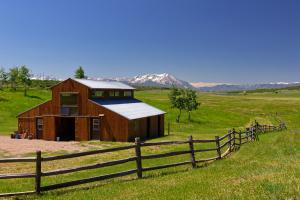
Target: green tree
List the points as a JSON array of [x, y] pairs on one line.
[[191, 102], [13, 77], [3, 77], [177, 99], [24, 78], [79, 73]]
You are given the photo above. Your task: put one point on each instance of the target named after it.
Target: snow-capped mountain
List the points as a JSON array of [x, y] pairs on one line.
[[164, 80], [157, 80]]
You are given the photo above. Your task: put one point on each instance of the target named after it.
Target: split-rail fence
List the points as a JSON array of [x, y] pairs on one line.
[[231, 141]]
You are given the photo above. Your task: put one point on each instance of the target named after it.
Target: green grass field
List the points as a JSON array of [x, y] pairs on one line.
[[266, 169]]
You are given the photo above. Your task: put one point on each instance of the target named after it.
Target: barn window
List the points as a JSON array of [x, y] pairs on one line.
[[69, 98], [96, 124], [69, 103], [40, 124], [111, 93], [117, 93], [127, 93], [98, 93]]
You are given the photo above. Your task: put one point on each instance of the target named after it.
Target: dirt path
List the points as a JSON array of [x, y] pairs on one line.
[[10, 146]]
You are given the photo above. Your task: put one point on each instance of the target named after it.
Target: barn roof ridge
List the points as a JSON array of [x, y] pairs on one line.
[[99, 84]]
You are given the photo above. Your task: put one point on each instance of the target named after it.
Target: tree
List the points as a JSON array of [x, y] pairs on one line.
[[79, 73], [177, 99], [3, 77], [24, 78], [13, 77], [183, 99], [191, 102]]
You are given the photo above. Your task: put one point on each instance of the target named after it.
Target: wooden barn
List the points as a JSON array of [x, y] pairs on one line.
[[83, 109]]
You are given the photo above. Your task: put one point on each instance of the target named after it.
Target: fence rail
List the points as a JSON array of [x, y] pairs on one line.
[[233, 140]]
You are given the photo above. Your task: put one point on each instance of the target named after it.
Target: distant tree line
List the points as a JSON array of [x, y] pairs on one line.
[[20, 76], [183, 99], [15, 76]]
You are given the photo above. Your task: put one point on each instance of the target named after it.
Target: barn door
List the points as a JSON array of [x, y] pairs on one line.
[[95, 129]]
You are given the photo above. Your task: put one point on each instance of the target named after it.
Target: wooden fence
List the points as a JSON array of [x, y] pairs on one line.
[[231, 141]]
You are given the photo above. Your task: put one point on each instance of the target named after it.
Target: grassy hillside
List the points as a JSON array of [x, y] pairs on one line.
[[216, 114], [268, 169], [12, 103]]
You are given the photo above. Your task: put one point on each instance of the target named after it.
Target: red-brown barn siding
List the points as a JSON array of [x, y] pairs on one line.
[[82, 132], [114, 127], [140, 128], [27, 120], [70, 86]]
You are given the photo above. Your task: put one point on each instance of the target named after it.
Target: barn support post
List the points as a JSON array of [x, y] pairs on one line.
[[191, 145], [38, 172], [138, 157], [217, 138]]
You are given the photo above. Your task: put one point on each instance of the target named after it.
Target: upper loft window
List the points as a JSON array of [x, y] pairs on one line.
[[98, 93], [68, 103], [68, 99], [128, 93]]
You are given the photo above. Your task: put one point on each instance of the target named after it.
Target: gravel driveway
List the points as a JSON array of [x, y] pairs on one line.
[[10, 146]]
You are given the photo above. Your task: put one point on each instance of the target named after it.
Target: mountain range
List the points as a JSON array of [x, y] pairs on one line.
[[153, 80], [167, 80]]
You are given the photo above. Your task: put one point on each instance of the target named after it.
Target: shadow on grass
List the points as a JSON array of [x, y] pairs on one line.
[[3, 99], [197, 121], [99, 184], [34, 97], [82, 187], [107, 182]]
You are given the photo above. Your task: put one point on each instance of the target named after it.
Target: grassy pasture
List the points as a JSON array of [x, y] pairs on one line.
[[268, 169]]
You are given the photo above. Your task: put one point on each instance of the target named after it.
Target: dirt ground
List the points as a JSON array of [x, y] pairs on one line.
[[10, 146]]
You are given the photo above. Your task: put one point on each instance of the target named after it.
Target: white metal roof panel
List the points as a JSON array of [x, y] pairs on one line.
[[104, 84], [129, 108]]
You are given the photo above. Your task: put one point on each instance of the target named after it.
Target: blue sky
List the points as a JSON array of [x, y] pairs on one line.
[[236, 41]]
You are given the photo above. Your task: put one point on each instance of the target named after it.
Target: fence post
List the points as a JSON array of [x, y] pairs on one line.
[[191, 145], [218, 147], [138, 157], [38, 173], [233, 133], [229, 140], [240, 137], [247, 134]]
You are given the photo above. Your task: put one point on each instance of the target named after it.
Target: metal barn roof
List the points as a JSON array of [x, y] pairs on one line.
[[129, 108], [104, 84]]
